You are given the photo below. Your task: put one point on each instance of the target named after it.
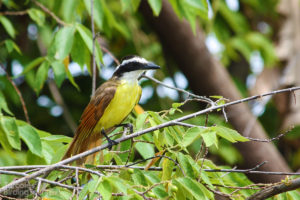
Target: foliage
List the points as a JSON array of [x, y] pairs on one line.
[[68, 39]]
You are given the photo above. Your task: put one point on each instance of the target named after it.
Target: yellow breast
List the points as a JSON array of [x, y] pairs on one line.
[[126, 97]]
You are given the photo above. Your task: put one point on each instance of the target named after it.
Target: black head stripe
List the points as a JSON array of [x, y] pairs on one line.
[[128, 67], [128, 57]]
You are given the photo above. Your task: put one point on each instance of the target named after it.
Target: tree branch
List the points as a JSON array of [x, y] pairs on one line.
[[57, 19], [136, 134], [16, 13], [277, 189], [202, 98], [19, 94]]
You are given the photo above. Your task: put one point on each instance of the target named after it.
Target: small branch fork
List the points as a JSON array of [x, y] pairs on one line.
[[136, 134]]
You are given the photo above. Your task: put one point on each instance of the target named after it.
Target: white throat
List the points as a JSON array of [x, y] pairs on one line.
[[131, 77]]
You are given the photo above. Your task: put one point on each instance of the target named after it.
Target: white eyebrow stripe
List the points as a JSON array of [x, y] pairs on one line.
[[135, 59]]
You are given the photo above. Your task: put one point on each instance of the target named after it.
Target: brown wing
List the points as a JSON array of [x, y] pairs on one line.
[[95, 109], [89, 119]]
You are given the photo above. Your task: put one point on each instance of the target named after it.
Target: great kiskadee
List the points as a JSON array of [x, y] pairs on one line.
[[111, 104]]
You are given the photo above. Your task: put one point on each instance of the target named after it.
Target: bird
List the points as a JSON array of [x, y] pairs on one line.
[[111, 103]]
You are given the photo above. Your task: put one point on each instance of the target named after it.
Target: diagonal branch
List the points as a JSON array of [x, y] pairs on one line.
[[202, 98], [277, 189], [19, 94], [136, 134], [57, 19]]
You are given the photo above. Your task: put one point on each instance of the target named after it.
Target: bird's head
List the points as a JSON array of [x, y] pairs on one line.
[[132, 67]]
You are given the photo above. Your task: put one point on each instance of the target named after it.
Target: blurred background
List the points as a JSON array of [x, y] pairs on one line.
[[231, 48]]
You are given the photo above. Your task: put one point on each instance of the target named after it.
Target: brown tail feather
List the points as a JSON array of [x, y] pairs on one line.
[[80, 145]]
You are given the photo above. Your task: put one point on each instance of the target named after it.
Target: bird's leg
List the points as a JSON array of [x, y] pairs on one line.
[[110, 141], [127, 125]]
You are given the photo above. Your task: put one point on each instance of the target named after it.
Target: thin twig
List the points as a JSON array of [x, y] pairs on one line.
[[204, 155], [271, 139], [57, 19], [249, 138], [119, 152], [161, 156], [201, 98], [30, 167], [17, 13], [19, 94], [111, 55], [143, 141], [136, 134], [217, 192], [277, 189], [36, 178], [38, 189], [10, 198]]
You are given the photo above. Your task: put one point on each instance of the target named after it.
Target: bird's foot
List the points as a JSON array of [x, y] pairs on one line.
[[127, 125], [110, 141]]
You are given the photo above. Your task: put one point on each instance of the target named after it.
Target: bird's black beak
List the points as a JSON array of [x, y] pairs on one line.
[[151, 65]]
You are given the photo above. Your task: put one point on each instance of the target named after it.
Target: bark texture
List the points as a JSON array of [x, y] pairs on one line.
[[208, 77]]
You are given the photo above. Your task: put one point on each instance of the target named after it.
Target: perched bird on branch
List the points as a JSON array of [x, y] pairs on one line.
[[110, 105]]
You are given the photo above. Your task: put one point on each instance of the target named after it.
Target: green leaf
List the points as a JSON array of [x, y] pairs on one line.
[[191, 135], [267, 49], [59, 153], [3, 104], [105, 189], [83, 192], [37, 16], [130, 5], [30, 136], [177, 105], [8, 26], [185, 164], [69, 9], [11, 45], [192, 186], [41, 76], [235, 20], [156, 6], [80, 53], [197, 4], [11, 131], [47, 152], [229, 134], [59, 72], [57, 138], [152, 178], [210, 138], [140, 121], [98, 12], [242, 46], [167, 167], [32, 65], [118, 183], [4, 141], [139, 178], [292, 195], [145, 149], [92, 185], [86, 36], [71, 79], [63, 42]]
